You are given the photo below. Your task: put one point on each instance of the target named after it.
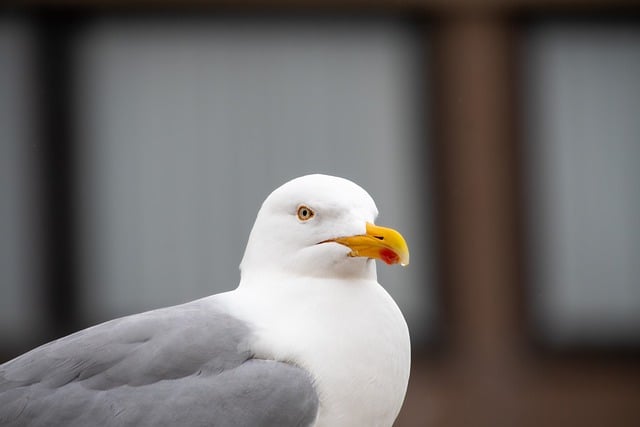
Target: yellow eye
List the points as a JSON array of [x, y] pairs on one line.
[[305, 213]]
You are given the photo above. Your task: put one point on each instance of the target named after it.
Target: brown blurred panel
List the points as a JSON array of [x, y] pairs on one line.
[[582, 392], [539, 393]]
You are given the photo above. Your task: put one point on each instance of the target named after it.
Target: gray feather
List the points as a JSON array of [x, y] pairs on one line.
[[184, 365]]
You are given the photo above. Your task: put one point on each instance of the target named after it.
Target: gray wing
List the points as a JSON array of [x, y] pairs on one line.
[[180, 365]]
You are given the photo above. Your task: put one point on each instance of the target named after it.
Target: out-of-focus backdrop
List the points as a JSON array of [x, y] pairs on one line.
[[138, 140]]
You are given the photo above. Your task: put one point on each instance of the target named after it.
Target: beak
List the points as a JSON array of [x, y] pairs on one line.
[[380, 243]]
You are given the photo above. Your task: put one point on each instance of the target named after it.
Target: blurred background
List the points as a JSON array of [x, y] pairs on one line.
[[138, 140]]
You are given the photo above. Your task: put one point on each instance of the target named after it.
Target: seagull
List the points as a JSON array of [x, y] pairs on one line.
[[308, 338]]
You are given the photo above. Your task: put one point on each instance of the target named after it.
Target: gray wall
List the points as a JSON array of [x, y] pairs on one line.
[[19, 235], [584, 150]]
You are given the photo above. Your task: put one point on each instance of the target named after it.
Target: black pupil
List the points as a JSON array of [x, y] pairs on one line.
[[304, 212]]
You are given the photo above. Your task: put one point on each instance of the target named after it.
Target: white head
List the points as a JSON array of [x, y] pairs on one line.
[[320, 226]]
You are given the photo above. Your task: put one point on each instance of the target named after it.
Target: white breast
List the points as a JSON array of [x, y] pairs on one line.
[[350, 335]]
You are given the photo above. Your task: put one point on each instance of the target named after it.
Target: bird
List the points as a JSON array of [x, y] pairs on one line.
[[308, 338]]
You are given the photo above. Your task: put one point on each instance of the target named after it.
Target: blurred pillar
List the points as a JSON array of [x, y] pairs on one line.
[[476, 151]]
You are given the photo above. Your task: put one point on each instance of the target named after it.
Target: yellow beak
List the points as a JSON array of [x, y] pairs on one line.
[[380, 243]]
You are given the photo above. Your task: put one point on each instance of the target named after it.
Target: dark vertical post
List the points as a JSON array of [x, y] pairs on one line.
[[475, 146], [56, 147]]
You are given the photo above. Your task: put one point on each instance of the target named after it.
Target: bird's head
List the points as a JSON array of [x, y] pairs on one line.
[[320, 226]]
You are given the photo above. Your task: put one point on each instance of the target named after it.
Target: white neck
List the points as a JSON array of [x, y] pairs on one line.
[[349, 334]]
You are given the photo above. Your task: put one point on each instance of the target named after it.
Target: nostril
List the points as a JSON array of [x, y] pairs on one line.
[[379, 237]]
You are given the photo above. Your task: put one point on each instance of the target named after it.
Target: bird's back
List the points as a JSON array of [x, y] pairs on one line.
[[183, 365]]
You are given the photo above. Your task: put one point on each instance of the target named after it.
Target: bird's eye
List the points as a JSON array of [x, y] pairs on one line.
[[305, 213]]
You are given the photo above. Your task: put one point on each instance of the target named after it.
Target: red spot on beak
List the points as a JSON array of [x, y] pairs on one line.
[[388, 256]]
